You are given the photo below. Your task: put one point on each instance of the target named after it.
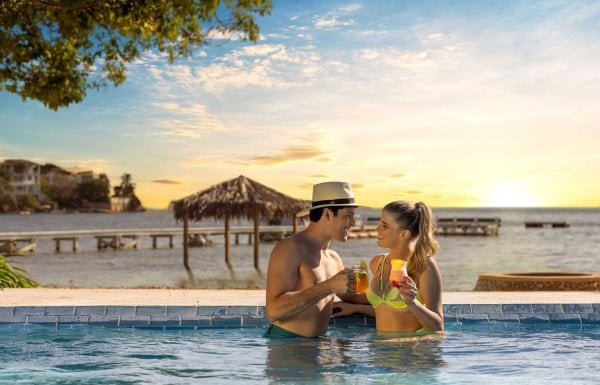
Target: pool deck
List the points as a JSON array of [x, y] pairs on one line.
[[242, 308]]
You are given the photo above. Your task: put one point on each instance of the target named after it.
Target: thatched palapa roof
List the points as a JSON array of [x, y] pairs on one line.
[[240, 197]]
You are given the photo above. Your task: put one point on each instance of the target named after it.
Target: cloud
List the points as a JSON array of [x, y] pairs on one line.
[[191, 121], [291, 154], [165, 181], [98, 166], [398, 175], [267, 66], [337, 18]]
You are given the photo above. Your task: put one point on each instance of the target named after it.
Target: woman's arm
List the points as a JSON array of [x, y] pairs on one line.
[[430, 314]]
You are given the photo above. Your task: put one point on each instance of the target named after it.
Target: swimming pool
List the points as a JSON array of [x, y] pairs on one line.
[[480, 353]]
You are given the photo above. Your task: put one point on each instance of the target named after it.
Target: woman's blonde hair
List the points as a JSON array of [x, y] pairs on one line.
[[418, 219]]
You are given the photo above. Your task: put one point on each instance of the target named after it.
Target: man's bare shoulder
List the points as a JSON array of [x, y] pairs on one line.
[[289, 247]]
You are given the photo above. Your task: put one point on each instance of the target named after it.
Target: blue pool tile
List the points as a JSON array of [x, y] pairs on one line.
[[42, 319], [165, 321], [516, 308], [565, 319], [151, 310], [472, 318], [120, 310], [242, 310], [6, 311], [29, 310], [201, 322], [90, 310], [12, 319], [593, 318], [104, 320], [450, 318], [547, 308], [79, 319], [534, 318], [227, 321], [504, 318], [181, 310], [596, 308], [486, 308], [141, 320], [254, 321], [353, 320], [261, 310], [578, 308], [212, 310], [458, 309], [59, 310]]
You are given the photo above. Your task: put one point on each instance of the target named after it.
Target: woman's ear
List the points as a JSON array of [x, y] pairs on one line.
[[405, 235]]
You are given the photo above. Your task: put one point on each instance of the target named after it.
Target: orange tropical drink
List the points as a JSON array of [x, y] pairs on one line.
[[398, 273]]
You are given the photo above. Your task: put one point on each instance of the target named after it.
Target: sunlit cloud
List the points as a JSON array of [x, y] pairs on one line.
[[290, 154], [191, 121], [98, 166], [398, 175], [165, 181]]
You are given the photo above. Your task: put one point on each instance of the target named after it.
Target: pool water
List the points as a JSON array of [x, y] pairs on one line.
[[482, 353]]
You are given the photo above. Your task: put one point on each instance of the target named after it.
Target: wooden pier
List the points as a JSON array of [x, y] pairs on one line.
[[127, 239], [468, 226], [546, 224]]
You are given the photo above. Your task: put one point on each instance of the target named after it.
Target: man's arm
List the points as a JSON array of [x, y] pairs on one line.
[[283, 273]]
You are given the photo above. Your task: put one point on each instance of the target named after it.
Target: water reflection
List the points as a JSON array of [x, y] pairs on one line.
[[351, 355]]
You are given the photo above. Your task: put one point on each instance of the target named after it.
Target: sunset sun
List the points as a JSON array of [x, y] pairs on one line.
[[510, 195]]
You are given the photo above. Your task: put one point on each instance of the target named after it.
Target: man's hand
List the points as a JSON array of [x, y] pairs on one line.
[[343, 282]]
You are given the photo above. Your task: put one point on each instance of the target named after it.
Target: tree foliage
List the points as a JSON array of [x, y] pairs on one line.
[[13, 276], [8, 201], [95, 190], [55, 50], [127, 190]]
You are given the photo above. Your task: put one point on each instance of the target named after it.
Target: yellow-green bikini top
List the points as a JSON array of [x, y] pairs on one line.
[[389, 297]]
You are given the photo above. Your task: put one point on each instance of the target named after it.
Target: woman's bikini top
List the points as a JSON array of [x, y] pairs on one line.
[[388, 297]]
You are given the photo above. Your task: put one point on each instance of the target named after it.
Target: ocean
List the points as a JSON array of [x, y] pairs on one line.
[[461, 259]]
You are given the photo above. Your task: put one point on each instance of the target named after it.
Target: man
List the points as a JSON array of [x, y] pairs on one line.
[[304, 274]]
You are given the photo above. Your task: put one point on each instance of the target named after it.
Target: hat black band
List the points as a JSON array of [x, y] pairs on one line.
[[342, 201]]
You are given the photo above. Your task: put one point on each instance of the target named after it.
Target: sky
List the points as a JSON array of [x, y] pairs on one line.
[[452, 103]]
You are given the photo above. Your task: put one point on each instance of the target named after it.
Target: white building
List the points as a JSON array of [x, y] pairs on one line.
[[25, 176]]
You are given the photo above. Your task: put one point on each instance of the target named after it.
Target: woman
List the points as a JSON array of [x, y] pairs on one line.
[[407, 230]]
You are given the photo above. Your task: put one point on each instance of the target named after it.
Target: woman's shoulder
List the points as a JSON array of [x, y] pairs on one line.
[[376, 260]]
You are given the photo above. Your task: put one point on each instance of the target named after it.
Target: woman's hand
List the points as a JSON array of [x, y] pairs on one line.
[[408, 290]]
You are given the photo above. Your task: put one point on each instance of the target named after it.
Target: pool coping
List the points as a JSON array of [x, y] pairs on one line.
[[199, 308]]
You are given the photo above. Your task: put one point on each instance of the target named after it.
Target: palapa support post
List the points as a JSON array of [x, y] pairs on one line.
[[294, 224], [227, 261], [186, 245], [256, 238]]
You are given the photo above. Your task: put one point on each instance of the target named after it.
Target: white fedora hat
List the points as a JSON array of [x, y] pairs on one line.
[[328, 194]]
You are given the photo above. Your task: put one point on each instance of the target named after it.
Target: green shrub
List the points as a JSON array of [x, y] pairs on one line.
[[12, 276]]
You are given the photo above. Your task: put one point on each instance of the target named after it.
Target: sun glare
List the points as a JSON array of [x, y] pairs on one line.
[[510, 195]]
